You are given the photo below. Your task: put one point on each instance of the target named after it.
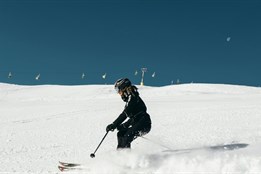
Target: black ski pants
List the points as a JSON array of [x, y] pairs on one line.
[[140, 128]]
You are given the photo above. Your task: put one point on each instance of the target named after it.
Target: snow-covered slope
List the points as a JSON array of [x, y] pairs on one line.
[[192, 124]]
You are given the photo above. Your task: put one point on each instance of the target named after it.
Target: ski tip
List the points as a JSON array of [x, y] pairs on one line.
[[61, 168], [65, 164]]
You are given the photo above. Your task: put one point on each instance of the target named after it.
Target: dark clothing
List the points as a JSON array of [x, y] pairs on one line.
[[126, 136], [138, 122]]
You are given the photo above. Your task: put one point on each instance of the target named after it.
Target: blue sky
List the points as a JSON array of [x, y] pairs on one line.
[[203, 41]]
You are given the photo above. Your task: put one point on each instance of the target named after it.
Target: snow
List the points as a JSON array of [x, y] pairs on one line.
[[41, 125]]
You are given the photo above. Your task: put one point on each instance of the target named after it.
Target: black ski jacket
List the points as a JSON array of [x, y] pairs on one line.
[[135, 109]]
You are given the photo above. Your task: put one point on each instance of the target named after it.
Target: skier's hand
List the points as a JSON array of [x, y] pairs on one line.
[[110, 127]]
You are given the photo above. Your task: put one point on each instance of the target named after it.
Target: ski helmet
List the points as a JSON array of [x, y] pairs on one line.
[[121, 84]]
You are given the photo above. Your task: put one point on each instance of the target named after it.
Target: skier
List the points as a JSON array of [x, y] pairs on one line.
[[138, 122]]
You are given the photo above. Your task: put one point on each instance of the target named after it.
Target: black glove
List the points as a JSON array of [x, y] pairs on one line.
[[110, 127]]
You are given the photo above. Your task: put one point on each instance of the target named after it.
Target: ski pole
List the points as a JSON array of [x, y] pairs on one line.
[[93, 154], [159, 144]]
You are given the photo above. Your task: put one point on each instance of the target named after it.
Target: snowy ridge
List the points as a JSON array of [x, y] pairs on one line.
[[192, 124]]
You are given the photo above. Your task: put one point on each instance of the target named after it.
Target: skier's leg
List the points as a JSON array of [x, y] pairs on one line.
[[120, 137], [133, 132]]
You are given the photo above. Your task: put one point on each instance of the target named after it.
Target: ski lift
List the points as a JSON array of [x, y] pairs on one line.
[[143, 70], [83, 75], [104, 76], [38, 77], [10, 75]]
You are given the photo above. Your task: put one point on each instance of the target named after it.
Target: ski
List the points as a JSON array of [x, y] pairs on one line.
[[65, 164], [64, 169]]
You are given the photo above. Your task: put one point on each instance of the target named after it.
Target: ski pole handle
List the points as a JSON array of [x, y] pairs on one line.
[[93, 154]]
